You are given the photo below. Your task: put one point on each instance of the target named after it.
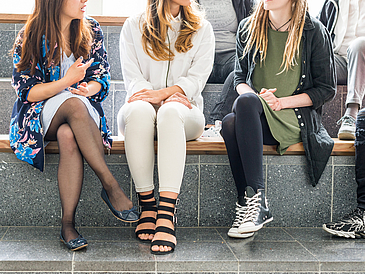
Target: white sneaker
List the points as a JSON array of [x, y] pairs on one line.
[[347, 129], [258, 212], [233, 231], [213, 131]]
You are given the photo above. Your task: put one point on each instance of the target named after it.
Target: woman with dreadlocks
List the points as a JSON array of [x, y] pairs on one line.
[[284, 74]]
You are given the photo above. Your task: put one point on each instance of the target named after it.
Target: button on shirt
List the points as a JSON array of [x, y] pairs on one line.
[[189, 70], [355, 24]]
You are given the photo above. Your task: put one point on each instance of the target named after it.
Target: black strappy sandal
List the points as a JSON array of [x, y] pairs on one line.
[[165, 229], [146, 206]]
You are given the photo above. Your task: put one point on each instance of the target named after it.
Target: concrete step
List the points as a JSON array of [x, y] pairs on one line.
[[208, 250]]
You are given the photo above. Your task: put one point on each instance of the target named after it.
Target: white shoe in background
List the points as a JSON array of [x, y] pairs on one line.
[[213, 131]]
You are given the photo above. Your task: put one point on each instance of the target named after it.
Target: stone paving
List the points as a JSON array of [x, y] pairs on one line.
[[271, 250]]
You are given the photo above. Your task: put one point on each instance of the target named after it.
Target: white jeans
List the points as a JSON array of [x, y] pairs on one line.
[[174, 124]]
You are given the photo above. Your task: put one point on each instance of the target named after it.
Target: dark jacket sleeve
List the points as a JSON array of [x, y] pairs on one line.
[[322, 66], [328, 16], [99, 69], [241, 62], [243, 8], [23, 81]]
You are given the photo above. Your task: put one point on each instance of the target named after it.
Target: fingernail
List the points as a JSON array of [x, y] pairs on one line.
[[81, 57]]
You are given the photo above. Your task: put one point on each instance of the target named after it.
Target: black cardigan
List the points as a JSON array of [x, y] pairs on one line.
[[317, 80]]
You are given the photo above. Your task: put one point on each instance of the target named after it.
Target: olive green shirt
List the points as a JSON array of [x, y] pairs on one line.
[[283, 124]]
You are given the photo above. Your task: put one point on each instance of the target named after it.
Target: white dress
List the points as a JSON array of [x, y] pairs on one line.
[[52, 104]]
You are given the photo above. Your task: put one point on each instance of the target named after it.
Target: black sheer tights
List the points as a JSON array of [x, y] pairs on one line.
[[78, 137]]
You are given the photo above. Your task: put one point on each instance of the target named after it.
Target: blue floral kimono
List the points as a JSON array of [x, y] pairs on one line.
[[26, 132]]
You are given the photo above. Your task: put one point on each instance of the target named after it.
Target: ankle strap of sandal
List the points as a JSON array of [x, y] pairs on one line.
[[166, 208], [147, 205], [151, 204], [165, 230], [168, 200], [170, 209], [146, 197], [166, 216]]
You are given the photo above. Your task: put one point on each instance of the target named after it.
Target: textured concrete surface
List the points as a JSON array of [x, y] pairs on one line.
[[208, 250], [207, 198]]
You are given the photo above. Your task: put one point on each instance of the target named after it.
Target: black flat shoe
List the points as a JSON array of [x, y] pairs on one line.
[[74, 244], [129, 216]]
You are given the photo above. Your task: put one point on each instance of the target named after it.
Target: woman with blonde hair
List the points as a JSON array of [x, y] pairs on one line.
[[61, 76], [167, 55], [284, 74]]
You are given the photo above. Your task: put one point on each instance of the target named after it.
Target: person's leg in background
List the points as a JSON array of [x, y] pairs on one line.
[[352, 225], [355, 86]]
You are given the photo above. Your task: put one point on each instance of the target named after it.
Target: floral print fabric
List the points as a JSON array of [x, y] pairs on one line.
[[26, 132]]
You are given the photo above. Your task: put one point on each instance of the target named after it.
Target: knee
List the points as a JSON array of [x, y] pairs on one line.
[[357, 47], [77, 108], [246, 101], [139, 113], [139, 110], [170, 113], [228, 125], [66, 138]]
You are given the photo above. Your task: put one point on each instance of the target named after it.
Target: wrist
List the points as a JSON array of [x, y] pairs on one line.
[[281, 103], [165, 93], [64, 83]]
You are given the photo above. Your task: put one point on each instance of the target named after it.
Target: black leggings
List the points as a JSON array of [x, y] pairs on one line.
[[245, 130]]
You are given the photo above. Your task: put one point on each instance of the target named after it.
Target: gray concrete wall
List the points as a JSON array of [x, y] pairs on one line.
[[30, 198]]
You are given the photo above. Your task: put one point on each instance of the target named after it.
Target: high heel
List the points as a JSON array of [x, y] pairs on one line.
[[74, 244], [146, 206], [165, 229], [129, 216]]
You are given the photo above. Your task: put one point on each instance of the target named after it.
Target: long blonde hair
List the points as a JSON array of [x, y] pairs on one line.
[[257, 27], [156, 23]]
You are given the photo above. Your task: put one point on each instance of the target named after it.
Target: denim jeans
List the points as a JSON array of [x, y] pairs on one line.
[[360, 158]]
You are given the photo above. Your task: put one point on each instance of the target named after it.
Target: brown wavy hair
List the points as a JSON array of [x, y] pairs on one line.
[[257, 27], [45, 20], [156, 22]]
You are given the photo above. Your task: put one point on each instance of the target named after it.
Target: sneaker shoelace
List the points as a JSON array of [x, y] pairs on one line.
[[356, 216], [353, 221], [240, 214], [253, 209], [347, 120]]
